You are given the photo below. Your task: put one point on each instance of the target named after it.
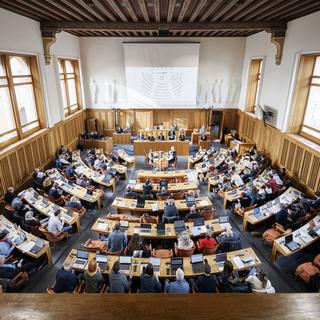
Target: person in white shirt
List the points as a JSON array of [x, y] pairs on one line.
[[259, 282], [56, 226], [237, 180]]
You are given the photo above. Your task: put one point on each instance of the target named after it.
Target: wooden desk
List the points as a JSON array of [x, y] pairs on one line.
[[95, 176], [48, 211], [240, 146], [187, 267], [295, 306], [227, 139], [172, 187], [143, 147], [162, 175], [270, 208], [106, 226], [124, 156], [156, 206], [122, 138], [105, 144], [75, 190], [218, 161], [192, 160], [29, 242], [157, 132], [204, 144], [300, 236], [195, 137]]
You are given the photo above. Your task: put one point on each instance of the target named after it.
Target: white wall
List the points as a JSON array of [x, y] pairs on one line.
[[22, 35], [219, 75], [277, 81]]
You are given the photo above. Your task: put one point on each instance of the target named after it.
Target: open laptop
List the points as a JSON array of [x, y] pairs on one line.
[[156, 263], [224, 219], [198, 222], [179, 226], [124, 225], [125, 263], [175, 263], [145, 228], [190, 200], [102, 261], [82, 259], [44, 203], [197, 263], [290, 243], [161, 229], [220, 259]]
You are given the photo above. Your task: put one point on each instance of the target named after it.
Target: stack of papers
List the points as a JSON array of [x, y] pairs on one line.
[[203, 203], [196, 231], [102, 226], [27, 246], [154, 207]]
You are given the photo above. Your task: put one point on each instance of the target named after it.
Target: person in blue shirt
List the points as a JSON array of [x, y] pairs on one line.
[[281, 217], [117, 240], [6, 246], [178, 286]]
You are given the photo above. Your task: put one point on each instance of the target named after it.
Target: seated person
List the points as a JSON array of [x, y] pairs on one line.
[[172, 155], [229, 278], [161, 136], [149, 280], [56, 225], [272, 183], [19, 207], [93, 278], [127, 129], [151, 137], [74, 203], [233, 153], [207, 282], [147, 187], [9, 196], [47, 184], [163, 193], [56, 193], [171, 134], [66, 280], [312, 204], [130, 193], [175, 126], [204, 137], [243, 202], [184, 241], [119, 130], [136, 243], [118, 281], [253, 195], [259, 281], [30, 220], [208, 242], [281, 217], [203, 129], [226, 185], [83, 181], [117, 239], [228, 237], [38, 181], [170, 212], [236, 180], [6, 245], [69, 171], [140, 136], [193, 214], [62, 150], [178, 286], [182, 136]]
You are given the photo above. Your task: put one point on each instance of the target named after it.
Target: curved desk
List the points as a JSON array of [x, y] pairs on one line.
[[162, 175], [172, 187]]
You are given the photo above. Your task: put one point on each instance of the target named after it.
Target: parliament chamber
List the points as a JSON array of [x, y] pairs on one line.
[[159, 159]]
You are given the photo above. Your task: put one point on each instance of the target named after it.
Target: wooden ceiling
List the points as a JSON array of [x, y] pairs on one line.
[[173, 18]]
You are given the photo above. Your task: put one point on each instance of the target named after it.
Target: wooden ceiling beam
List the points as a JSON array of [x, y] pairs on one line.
[[118, 11], [224, 9], [258, 7], [298, 14], [153, 26], [64, 9], [20, 11], [76, 8], [239, 8], [130, 10], [183, 10], [89, 9], [143, 8], [171, 7], [201, 4], [157, 10], [104, 10], [213, 8]]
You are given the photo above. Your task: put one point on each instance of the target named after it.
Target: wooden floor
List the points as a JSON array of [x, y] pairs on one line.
[[160, 306]]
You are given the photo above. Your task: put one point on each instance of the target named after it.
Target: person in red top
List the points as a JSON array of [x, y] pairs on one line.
[[272, 183], [208, 242]]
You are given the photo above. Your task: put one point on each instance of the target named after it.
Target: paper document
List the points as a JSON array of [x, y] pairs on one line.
[[102, 226]]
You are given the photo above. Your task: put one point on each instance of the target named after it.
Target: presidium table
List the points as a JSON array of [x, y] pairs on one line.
[[142, 147]]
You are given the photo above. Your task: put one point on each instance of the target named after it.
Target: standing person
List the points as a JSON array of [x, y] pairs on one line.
[[149, 281], [117, 240]]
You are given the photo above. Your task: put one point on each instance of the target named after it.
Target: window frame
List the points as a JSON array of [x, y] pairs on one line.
[[36, 91], [70, 109]]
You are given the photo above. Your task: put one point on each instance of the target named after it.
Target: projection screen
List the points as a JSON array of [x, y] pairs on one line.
[[161, 74]]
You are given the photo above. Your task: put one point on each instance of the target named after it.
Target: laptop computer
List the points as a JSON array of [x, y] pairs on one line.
[[175, 263], [156, 263], [224, 219], [102, 261], [220, 259], [190, 200], [290, 243], [198, 222], [197, 263], [161, 229], [44, 203], [36, 195], [82, 259], [145, 227], [70, 183], [125, 263], [179, 226]]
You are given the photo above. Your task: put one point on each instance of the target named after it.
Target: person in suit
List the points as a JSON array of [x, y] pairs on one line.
[[149, 281], [69, 171], [151, 137], [147, 187], [203, 137], [119, 130], [193, 214], [171, 134], [9, 196], [207, 282], [74, 203], [140, 136], [171, 212], [66, 280], [180, 285], [163, 193], [281, 217], [130, 193], [161, 136], [182, 136], [19, 208]]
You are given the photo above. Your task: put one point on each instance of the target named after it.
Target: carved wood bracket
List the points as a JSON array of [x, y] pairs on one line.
[[277, 38], [48, 39]]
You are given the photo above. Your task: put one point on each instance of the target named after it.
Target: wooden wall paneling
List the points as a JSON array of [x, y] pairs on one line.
[[143, 119], [181, 117], [306, 166], [162, 116], [314, 172]]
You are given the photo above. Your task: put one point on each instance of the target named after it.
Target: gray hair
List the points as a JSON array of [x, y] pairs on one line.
[[179, 274]]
